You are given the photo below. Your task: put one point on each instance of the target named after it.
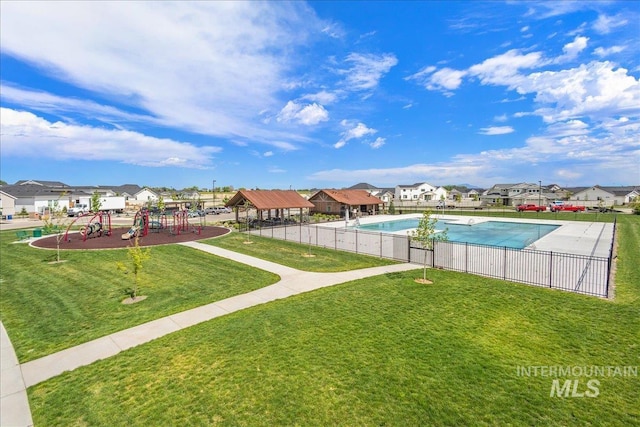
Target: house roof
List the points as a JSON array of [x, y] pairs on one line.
[[33, 190], [270, 199], [616, 191], [363, 186], [7, 194], [41, 183], [619, 191], [130, 189], [351, 197]]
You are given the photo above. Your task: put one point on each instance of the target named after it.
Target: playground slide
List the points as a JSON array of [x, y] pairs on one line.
[[131, 233]]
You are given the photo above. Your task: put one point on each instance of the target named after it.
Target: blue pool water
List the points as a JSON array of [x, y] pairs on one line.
[[515, 235]]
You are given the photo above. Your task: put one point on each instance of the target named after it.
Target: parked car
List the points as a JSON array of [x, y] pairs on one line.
[[217, 210], [196, 213], [529, 207], [570, 208], [78, 209]]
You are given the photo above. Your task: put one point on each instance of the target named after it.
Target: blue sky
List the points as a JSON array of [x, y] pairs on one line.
[[320, 94]]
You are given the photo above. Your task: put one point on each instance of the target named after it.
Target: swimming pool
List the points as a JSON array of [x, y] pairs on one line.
[[517, 235]]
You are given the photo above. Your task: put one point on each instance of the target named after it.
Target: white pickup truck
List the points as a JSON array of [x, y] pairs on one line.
[[78, 209]]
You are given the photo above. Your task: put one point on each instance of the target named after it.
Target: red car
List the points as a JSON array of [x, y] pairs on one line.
[[570, 208], [536, 208]]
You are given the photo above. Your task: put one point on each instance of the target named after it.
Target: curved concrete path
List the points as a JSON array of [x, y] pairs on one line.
[[14, 410]]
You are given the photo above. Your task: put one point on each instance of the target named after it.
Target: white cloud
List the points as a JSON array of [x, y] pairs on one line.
[[310, 114], [594, 90], [202, 67], [445, 79], [323, 97], [24, 135], [354, 132], [504, 70], [502, 118], [367, 70], [496, 130], [340, 144], [571, 50], [267, 154], [379, 142], [606, 51], [440, 173], [605, 24]]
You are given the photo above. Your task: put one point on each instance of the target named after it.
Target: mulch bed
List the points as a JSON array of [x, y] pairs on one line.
[[74, 240]]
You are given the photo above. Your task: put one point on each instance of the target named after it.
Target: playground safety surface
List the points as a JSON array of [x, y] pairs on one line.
[[163, 237]]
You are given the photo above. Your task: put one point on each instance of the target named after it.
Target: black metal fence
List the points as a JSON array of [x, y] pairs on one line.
[[584, 274]]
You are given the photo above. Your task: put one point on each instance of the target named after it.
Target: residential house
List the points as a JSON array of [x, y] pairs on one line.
[[145, 195], [36, 198], [527, 193], [515, 194], [606, 196], [7, 205], [419, 192], [384, 194]]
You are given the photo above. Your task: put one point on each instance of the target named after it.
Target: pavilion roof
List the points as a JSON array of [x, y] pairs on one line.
[[351, 197], [270, 199]]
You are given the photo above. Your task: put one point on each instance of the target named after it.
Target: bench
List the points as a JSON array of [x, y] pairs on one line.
[[22, 235]]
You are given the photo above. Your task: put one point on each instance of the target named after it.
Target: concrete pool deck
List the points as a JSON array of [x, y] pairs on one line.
[[572, 237]]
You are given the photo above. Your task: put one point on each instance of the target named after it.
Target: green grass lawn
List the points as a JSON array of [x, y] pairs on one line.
[[373, 352], [293, 254], [378, 351], [48, 307]]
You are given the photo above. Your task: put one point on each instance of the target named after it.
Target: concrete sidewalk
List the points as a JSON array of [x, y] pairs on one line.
[[292, 282]]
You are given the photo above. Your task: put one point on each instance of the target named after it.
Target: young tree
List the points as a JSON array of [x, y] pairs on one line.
[[54, 223], [427, 235], [96, 203], [137, 256]]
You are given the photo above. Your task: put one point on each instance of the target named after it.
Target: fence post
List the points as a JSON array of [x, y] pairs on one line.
[[356, 240], [466, 257], [335, 239], [433, 253], [504, 270], [550, 268]]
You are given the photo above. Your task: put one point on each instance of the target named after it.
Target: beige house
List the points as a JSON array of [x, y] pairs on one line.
[[7, 205]]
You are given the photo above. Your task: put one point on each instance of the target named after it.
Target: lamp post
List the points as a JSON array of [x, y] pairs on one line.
[[539, 192], [539, 200], [213, 191]]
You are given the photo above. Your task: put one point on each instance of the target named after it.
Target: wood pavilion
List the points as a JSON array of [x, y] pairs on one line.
[[337, 202], [272, 206]]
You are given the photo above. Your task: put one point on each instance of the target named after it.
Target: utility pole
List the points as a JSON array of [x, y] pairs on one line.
[[539, 192]]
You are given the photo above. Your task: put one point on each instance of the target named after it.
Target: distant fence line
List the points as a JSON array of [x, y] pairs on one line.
[[584, 274]]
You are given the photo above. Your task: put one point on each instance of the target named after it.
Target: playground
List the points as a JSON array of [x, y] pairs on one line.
[[96, 231]]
